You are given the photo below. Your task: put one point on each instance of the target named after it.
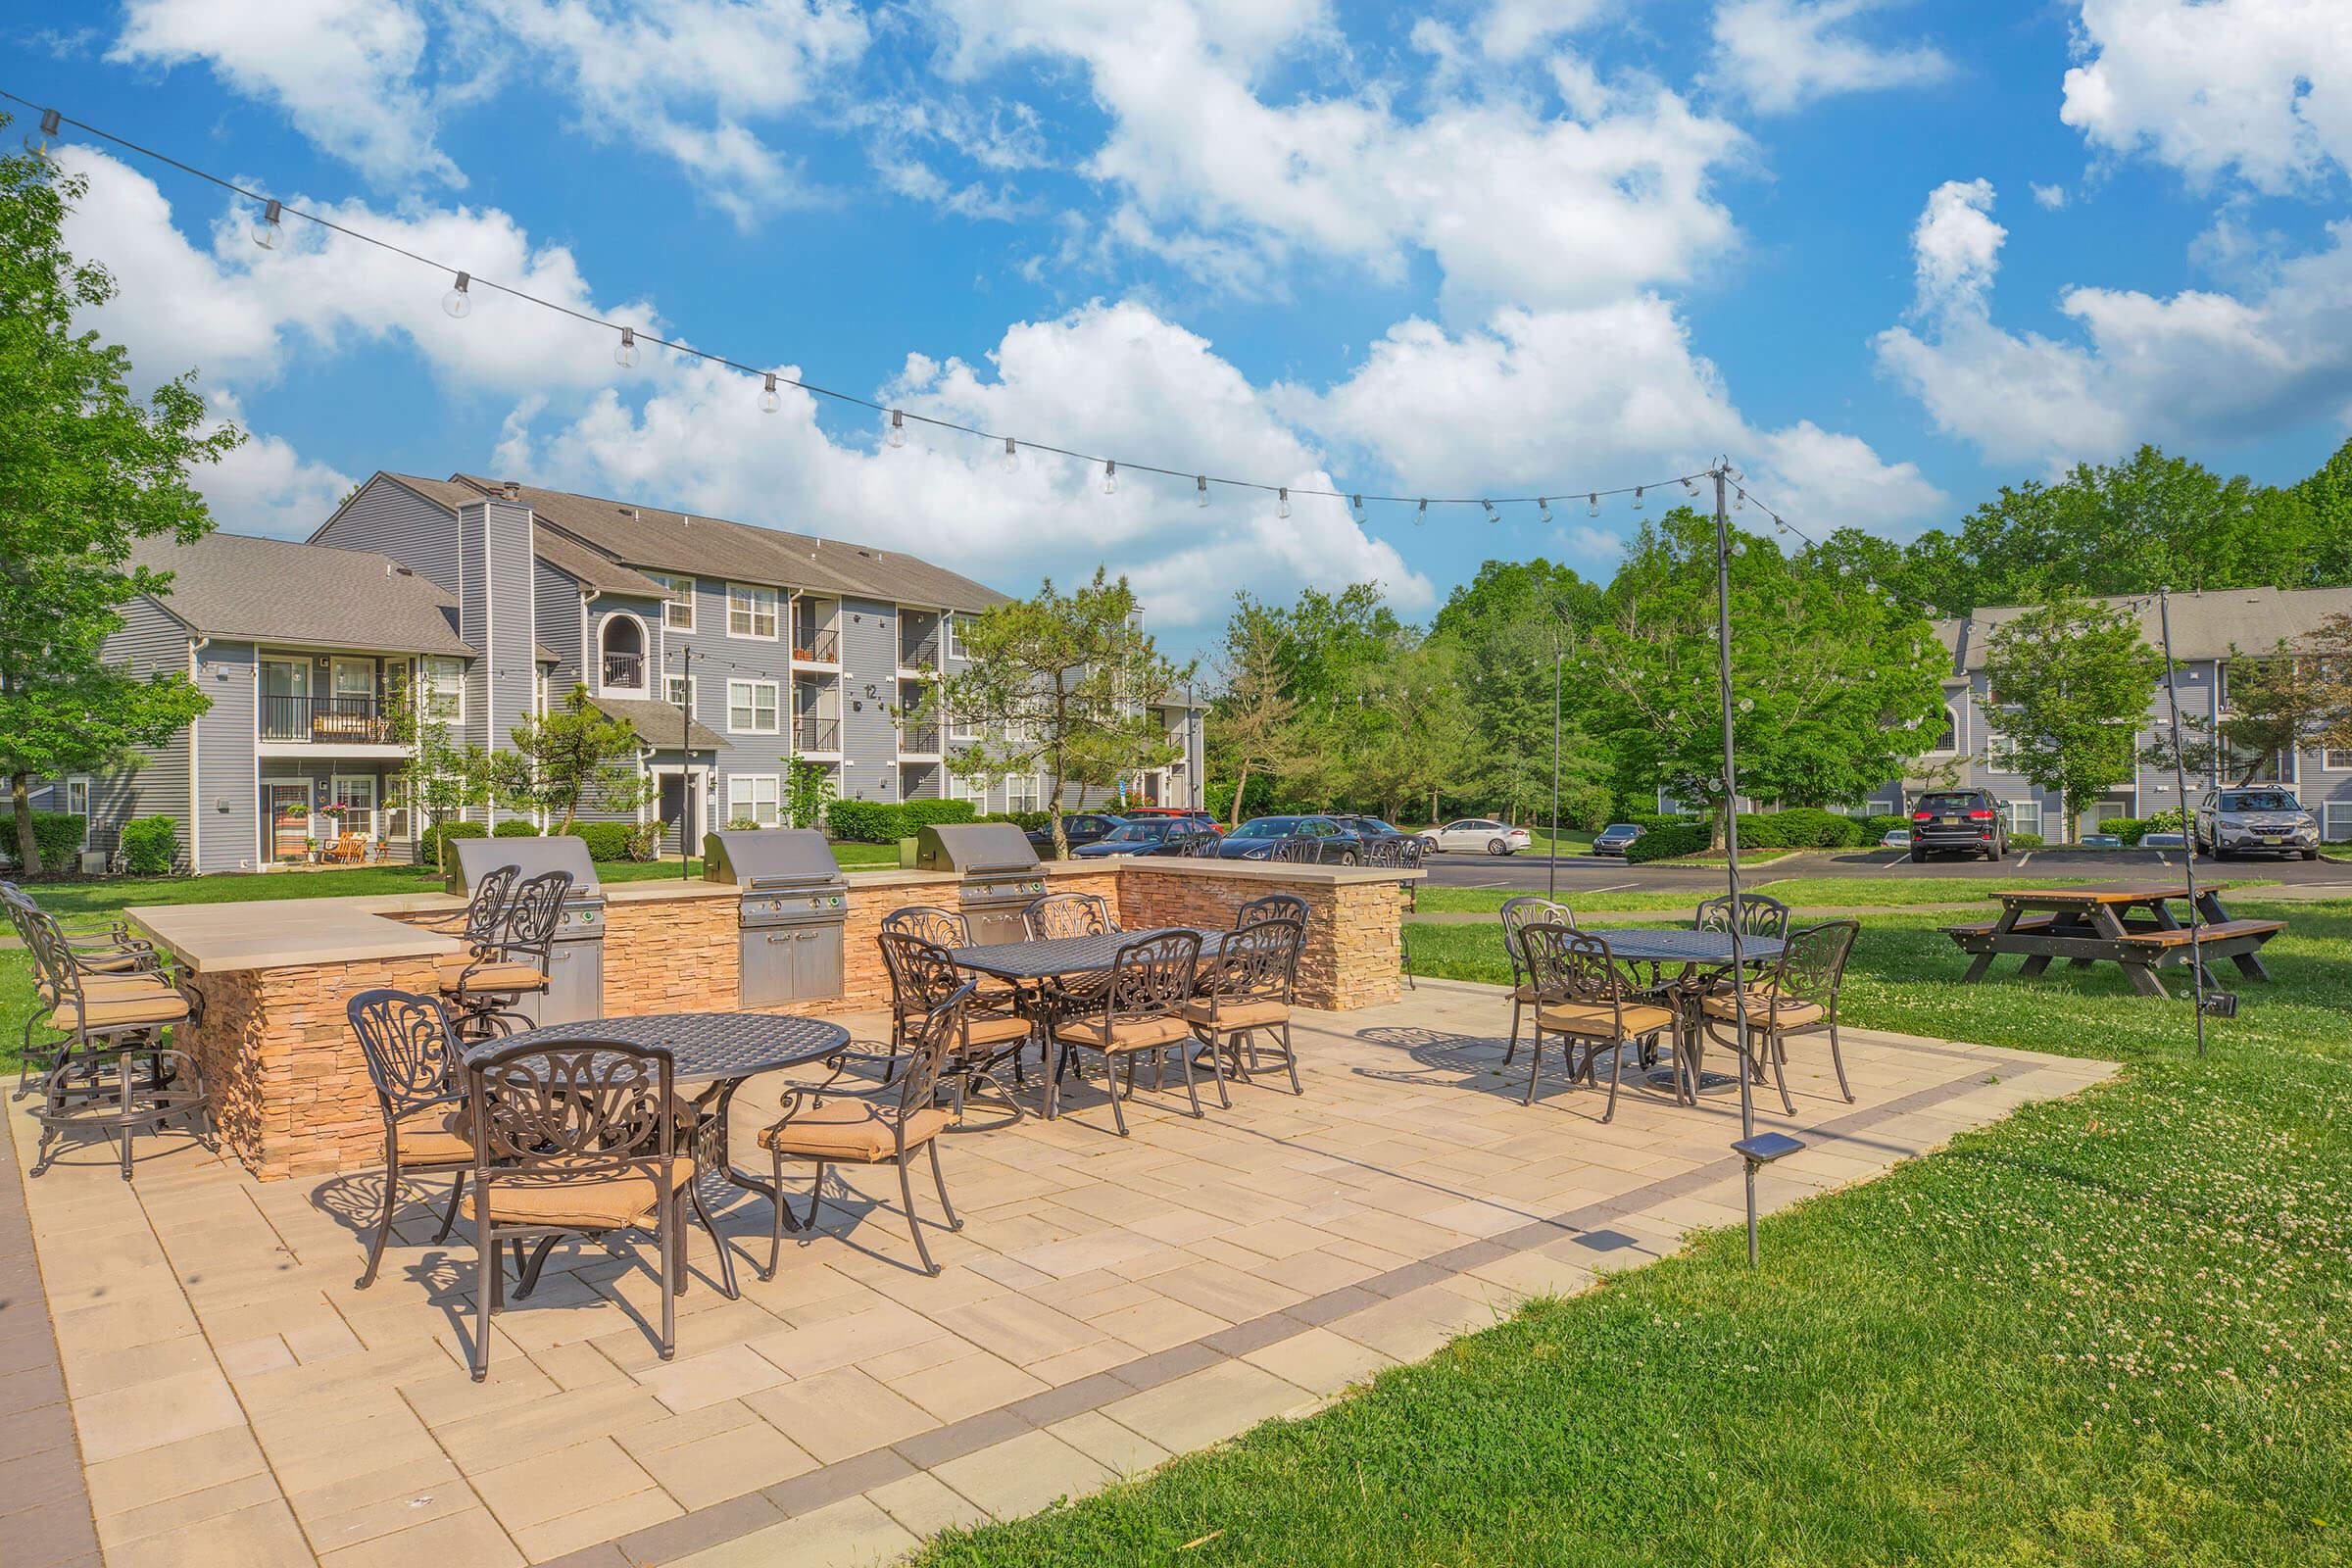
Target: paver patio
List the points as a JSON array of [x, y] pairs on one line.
[[1109, 1303]]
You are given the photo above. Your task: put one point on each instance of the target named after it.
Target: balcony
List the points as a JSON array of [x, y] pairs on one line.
[[815, 645], [328, 721], [919, 740], [918, 640], [811, 733]]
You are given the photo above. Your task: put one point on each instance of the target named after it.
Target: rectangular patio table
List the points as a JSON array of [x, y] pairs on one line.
[[1663, 945], [2117, 923]]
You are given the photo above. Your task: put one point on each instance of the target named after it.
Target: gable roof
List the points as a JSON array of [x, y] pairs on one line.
[[279, 591], [2206, 623], [657, 723]]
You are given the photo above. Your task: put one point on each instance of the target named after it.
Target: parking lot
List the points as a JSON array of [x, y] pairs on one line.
[[1585, 874]]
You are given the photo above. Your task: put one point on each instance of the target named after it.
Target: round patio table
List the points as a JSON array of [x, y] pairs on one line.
[[714, 1054], [1673, 945]]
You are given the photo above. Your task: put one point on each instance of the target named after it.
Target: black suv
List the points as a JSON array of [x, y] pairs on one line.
[[1960, 822], [1079, 827]]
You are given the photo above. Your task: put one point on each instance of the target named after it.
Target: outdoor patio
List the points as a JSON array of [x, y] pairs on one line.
[[1109, 1302]]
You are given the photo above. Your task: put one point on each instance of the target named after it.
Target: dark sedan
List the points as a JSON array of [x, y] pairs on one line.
[[1370, 829], [1320, 840], [1150, 835], [1080, 827]]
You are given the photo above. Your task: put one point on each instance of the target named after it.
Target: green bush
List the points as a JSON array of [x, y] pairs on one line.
[[1876, 828], [1027, 821], [1668, 841], [149, 846], [866, 821], [514, 828], [607, 841], [922, 813], [2128, 828], [58, 835], [2025, 841], [428, 848], [1802, 827]]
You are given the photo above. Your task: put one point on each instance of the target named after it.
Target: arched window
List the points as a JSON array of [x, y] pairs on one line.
[[1949, 740], [622, 643]]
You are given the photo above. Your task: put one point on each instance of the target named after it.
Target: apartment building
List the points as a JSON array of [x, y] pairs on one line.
[[733, 650]]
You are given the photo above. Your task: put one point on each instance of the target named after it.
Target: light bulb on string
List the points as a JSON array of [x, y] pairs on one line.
[[1542, 509], [459, 300], [1201, 490], [1740, 504], [1281, 502], [1421, 513], [50, 122], [771, 400], [1638, 489], [625, 354], [896, 432], [1111, 478], [1356, 504], [1012, 456], [1690, 487], [1592, 505], [266, 229], [1489, 506]]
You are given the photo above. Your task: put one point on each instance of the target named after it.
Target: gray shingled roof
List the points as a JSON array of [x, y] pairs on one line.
[[657, 723], [278, 591], [2205, 625]]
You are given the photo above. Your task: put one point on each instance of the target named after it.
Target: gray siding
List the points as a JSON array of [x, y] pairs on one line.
[[869, 741], [555, 618], [150, 642], [392, 519], [719, 659], [228, 805], [496, 618]]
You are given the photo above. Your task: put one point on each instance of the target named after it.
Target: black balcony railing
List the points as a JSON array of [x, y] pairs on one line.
[[921, 653], [816, 734], [814, 644], [327, 720], [922, 740]]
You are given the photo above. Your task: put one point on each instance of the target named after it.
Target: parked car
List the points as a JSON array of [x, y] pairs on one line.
[[2262, 818], [1081, 827], [2164, 840], [1473, 833], [1258, 839], [1958, 822], [1370, 829], [1149, 835], [1616, 837], [1132, 813], [2102, 840], [1898, 838]]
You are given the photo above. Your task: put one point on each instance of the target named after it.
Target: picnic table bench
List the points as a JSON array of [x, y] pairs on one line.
[[2133, 926]]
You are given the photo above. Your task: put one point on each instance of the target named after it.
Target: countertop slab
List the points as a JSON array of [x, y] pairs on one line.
[[281, 934]]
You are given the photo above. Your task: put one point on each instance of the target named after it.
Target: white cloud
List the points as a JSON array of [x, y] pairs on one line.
[[2194, 366], [1512, 29], [2051, 197], [2262, 88], [344, 70], [1817, 476], [1781, 54], [265, 487]]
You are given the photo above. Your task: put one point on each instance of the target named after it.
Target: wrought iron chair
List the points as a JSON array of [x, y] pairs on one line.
[[107, 1024], [487, 983], [1755, 914], [1273, 907], [1069, 914], [1245, 990], [1517, 915], [1583, 996], [1299, 851], [1134, 1008], [1799, 996], [948, 928], [578, 1138], [415, 1061], [922, 977], [108, 959], [883, 1126]]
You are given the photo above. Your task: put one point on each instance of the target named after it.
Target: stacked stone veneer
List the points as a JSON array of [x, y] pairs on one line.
[[290, 1089]]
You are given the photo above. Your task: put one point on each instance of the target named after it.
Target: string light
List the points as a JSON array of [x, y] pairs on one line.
[[1690, 487], [771, 400], [1111, 478], [50, 121], [1542, 510], [1421, 513], [266, 229], [1638, 489], [1012, 456], [1356, 504], [896, 432], [1592, 505], [1489, 506], [1200, 490], [1740, 504], [1281, 502], [625, 356], [459, 300]]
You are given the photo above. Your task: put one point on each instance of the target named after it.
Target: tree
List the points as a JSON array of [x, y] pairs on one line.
[[441, 779], [1507, 623], [1062, 684], [2281, 700], [86, 471], [808, 791], [1835, 685], [1254, 720], [2072, 679], [573, 758]]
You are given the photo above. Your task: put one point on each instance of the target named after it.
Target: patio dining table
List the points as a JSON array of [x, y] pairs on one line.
[[712, 1054], [1664, 945]]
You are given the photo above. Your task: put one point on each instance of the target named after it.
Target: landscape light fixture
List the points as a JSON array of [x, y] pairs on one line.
[[459, 300], [266, 229], [771, 400], [625, 354]]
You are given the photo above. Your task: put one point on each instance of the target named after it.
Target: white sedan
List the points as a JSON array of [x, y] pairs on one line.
[[1474, 833]]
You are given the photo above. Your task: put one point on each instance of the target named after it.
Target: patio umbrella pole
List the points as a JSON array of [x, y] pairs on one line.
[[2188, 831], [1551, 860], [1730, 839]]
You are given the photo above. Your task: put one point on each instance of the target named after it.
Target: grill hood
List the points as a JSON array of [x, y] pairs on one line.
[[974, 849], [472, 859], [769, 858]]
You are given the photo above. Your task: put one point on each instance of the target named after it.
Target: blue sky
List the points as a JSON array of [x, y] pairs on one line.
[[1888, 254]]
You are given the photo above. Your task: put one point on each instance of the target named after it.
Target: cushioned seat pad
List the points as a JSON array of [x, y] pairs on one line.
[[1131, 1034], [851, 1127], [123, 1011], [490, 977], [434, 1135], [1242, 1013], [1763, 1008], [600, 1202], [995, 1031], [1600, 1020]]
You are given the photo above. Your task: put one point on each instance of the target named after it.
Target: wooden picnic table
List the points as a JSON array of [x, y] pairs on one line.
[[2113, 923]]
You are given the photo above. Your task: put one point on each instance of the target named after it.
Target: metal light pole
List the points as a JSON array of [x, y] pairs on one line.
[[1551, 860], [686, 768], [2188, 831]]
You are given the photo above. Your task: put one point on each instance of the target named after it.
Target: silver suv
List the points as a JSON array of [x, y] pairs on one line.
[[2256, 818]]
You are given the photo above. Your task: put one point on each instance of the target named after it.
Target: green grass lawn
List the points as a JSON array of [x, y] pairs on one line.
[[1801, 892], [2108, 1331]]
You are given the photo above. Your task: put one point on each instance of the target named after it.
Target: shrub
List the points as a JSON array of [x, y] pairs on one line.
[[514, 828], [866, 821], [2025, 841], [2128, 828], [428, 848], [1877, 827], [149, 846], [1665, 842], [607, 841], [1802, 827], [58, 835], [922, 813]]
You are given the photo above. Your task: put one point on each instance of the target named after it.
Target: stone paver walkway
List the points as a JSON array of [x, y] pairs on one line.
[[44, 1509], [1109, 1303]]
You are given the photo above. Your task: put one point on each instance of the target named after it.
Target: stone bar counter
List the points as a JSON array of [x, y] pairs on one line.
[[290, 1090]]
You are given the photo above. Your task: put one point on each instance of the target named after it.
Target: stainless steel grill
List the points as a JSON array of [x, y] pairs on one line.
[[791, 905], [1001, 873], [576, 987]]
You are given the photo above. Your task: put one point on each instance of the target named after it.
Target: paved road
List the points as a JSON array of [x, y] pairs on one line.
[[1587, 874]]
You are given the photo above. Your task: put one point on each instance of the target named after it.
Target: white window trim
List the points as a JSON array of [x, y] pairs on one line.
[[2016, 811], [1034, 792], [951, 637], [693, 691], [375, 795], [677, 584], [427, 695], [775, 784], [645, 653], [81, 782], [775, 707], [2333, 813], [775, 612], [2335, 759]]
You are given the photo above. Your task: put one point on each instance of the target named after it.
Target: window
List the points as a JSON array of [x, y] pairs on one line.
[[677, 610], [1021, 792], [620, 643], [752, 707], [752, 798], [445, 686], [751, 611], [960, 728], [679, 690], [78, 804], [2335, 759], [1949, 740], [398, 822], [957, 626], [2023, 817], [2335, 822], [975, 790]]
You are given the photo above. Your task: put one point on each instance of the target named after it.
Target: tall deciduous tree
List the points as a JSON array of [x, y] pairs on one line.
[[86, 471], [572, 758], [1507, 625], [1253, 724], [1835, 687], [2286, 700], [2070, 680], [1063, 685]]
